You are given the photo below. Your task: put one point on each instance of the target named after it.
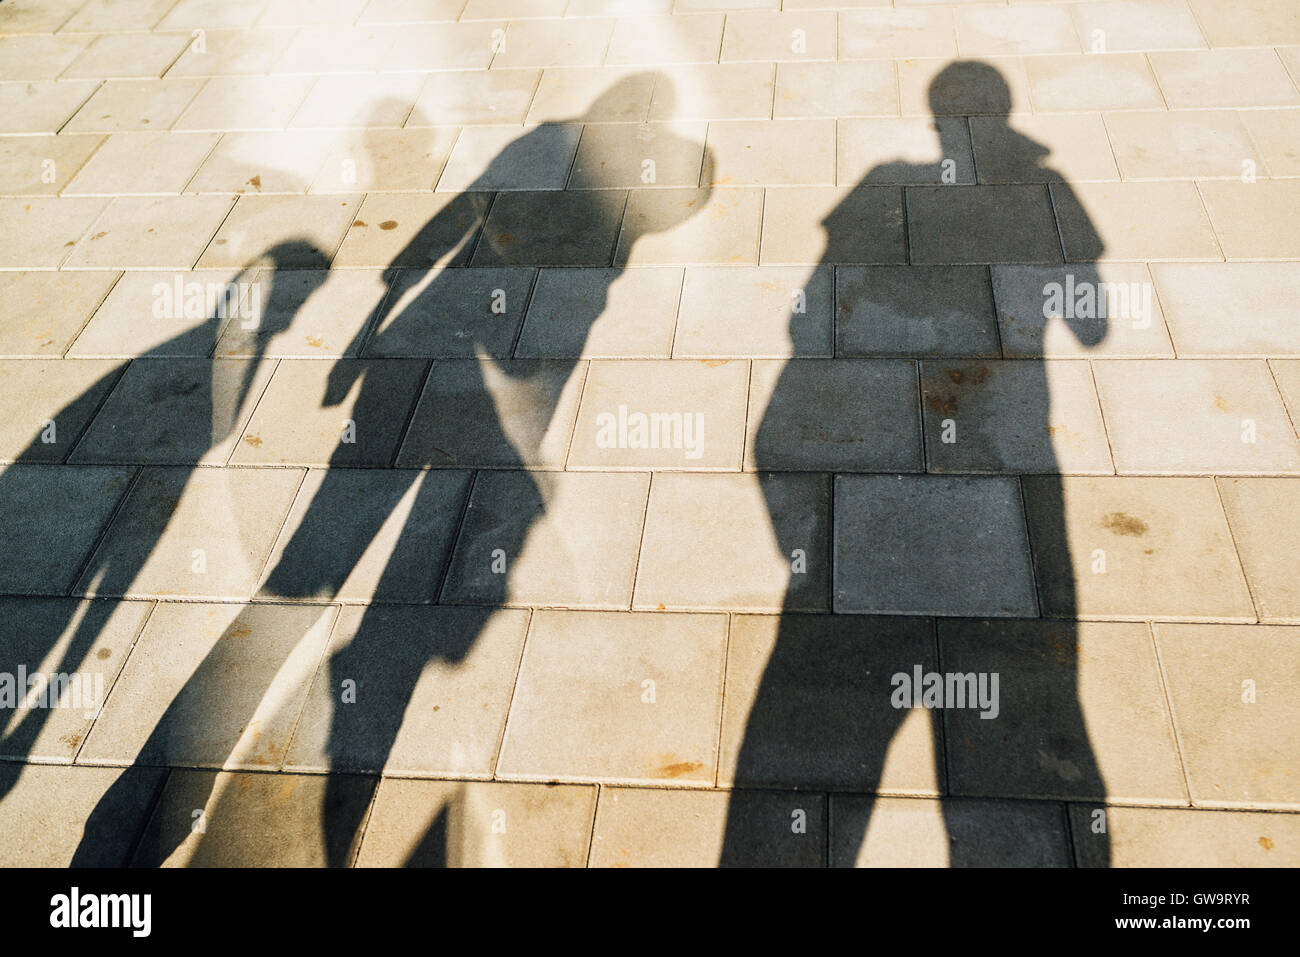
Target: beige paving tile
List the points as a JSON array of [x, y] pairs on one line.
[[1248, 23], [1287, 375], [37, 17], [1255, 220], [1165, 837], [42, 165], [765, 311], [1133, 221], [598, 94], [314, 224], [403, 11], [1276, 133], [981, 224], [151, 232], [661, 414], [1128, 547], [768, 36], [685, 38], [455, 46], [193, 533], [993, 31], [338, 48], [267, 162], [1262, 514], [485, 825], [1101, 309], [466, 97], [210, 14], [686, 226], [621, 8], [661, 827], [714, 92], [630, 155], [1217, 78], [113, 15], [904, 150], [388, 160], [41, 106], [635, 309], [1204, 144], [1047, 148], [1230, 309], [350, 101], [452, 313], [45, 405], [134, 105], [545, 43], [516, 9], [867, 88], [1110, 81], [554, 227], [719, 541], [808, 705], [1115, 26], [914, 311], [1081, 713], [1230, 687], [42, 231], [234, 52], [48, 309], [212, 686], [506, 157], [306, 314], [1195, 416], [38, 57], [142, 163], [903, 32], [127, 55], [432, 689], [574, 544], [825, 224], [245, 103], [417, 230], [617, 697]]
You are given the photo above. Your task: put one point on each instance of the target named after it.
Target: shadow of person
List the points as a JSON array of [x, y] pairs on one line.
[[921, 561], [506, 404]]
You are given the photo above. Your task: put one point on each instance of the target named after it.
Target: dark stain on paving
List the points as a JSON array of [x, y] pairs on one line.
[[388, 224], [1122, 523]]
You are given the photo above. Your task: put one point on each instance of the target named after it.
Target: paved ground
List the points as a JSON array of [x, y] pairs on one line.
[[600, 417]]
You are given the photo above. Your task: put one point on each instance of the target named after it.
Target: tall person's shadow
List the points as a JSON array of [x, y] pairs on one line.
[[827, 710]]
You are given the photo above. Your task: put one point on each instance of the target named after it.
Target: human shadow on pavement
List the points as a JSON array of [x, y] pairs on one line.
[[836, 691]]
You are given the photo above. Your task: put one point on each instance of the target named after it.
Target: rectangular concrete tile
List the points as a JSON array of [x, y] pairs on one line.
[[1196, 415], [1093, 81], [635, 309], [1133, 221], [37, 17], [234, 53], [877, 33], [714, 92], [914, 311], [1133, 548], [993, 31], [1012, 150], [42, 106], [1232, 690], [1088, 309], [210, 14], [430, 690], [625, 155], [888, 151], [449, 46], [843, 415], [627, 698], [1276, 133], [364, 535], [716, 541], [336, 48], [1123, 25], [54, 515], [1264, 515], [685, 38], [1080, 713], [50, 719], [981, 224], [594, 94], [1248, 22], [658, 827], [127, 55], [921, 544], [43, 165], [1203, 143], [306, 313], [1286, 372], [407, 11], [1210, 78], [1013, 416], [45, 809], [833, 224], [454, 824], [45, 405], [46, 310], [243, 103], [661, 414], [1255, 220], [280, 12], [769, 311], [384, 99], [143, 163], [40, 232], [808, 705], [689, 226], [906, 832], [543, 43], [113, 15], [391, 160], [151, 232], [476, 413], [764, 36], [135, 105], [772, 153], [310, 225], [212, 686], [305, 417], [414, 230], [576, 547], [506, 157], [192, 533], [553, 228], [993, 85], [1231, 309], [174, 412], [253, 820], [452, 313], [468, 97], [1167, 837], [37, 57], [274, 161], [867, 88]]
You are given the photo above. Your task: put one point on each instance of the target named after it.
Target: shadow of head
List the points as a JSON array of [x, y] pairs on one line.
[[287, 274]]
